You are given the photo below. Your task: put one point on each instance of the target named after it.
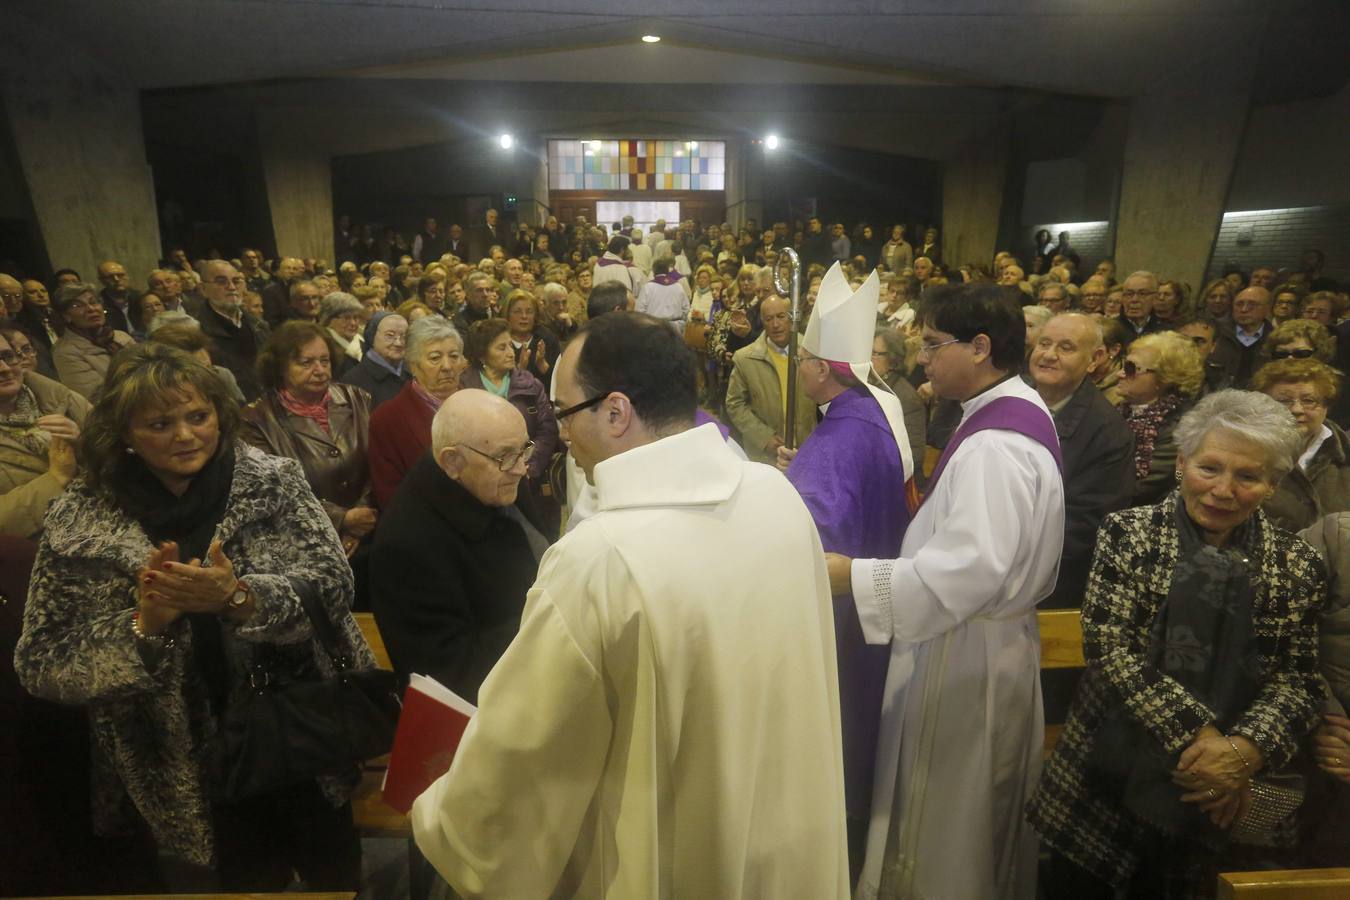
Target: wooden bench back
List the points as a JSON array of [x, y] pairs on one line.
[[1288, 884], [371, 632]]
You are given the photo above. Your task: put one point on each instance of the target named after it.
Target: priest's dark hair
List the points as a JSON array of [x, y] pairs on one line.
[[644, 359], [612, 296], [966, 310]]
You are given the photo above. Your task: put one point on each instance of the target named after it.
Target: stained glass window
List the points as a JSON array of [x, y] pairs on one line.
[[636, 165]]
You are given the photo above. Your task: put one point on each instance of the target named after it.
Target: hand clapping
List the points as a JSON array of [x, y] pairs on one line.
[[169, 588]]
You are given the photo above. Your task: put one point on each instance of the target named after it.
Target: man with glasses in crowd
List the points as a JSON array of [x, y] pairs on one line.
[[1136, 311], [1242, 334], [117, 293], [453, 556], [962, 726], [236, 335], [667, 722]]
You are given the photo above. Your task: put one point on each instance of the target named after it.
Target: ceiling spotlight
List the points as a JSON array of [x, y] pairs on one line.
[[693, 145], [506, 141], [771, 142], [651, 39]]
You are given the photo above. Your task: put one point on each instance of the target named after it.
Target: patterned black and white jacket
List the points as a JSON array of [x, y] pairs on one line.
[[1132, 570], [152, 729]]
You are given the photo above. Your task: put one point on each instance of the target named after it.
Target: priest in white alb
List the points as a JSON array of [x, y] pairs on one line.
[[852, 473], [666, 722], [962, 724]]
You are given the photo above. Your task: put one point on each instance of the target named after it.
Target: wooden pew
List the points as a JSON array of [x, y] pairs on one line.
[[372, 817], [1061, 648], [1287, 884], [286, 896]]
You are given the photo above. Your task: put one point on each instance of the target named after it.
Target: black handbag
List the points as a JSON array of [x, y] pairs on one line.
[[281, 733]]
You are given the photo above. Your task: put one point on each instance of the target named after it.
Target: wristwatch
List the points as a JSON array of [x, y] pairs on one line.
[[239, 597]]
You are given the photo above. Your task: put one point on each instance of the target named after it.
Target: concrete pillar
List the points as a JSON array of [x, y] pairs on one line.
[[75, 127], [299, 184], [744, 183], [1180, 152], [973, 184]]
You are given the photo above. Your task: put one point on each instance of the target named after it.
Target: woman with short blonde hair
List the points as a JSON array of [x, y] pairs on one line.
[[1159, 377]]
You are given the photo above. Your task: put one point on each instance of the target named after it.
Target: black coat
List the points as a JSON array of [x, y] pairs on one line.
[[236, 349], [377, 381], [448, 579], [1098, 451], [1239, 361]]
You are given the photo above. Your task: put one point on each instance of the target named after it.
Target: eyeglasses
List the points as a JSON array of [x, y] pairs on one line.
[[25, 352], [1305, 402], [226, 281], [1133, 294], [508, 460], [1132, 369], [930, 350], [560, 414], [9, 357], [84, 304], [1297, 353]]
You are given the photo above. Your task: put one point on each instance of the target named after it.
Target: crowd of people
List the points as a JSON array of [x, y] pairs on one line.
[[421, 429]]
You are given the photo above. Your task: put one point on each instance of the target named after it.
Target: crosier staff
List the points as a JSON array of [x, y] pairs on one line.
[[790, 287]]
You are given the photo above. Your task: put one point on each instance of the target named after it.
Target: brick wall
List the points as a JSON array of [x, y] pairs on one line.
[[1090, 240], [1277, 237]]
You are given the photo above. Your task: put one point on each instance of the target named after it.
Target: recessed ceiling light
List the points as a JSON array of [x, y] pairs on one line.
[[693, 145], [506, 141], [771, 142], [651, 39]]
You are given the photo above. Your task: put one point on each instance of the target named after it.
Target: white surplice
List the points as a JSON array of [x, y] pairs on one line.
[[666, 723], [962, 722]]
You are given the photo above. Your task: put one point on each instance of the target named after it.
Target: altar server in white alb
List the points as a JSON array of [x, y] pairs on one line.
[[666, 722], [962, 724]]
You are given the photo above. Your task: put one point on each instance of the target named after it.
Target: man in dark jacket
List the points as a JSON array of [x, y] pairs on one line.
[[1242, 335], [117, 295], [816, 248], [277, 295], [453, 556], [236, 337], [1096, 444]]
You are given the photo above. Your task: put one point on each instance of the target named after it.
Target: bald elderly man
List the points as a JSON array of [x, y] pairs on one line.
[[453, 556], [1241, 335], [117, 294]]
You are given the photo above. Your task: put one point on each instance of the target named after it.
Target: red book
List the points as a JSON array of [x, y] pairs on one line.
[[429, 731]]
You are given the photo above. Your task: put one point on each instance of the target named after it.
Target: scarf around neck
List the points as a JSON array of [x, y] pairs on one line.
[[1145, 424], [22, 423], [297, 407], [101, 337]]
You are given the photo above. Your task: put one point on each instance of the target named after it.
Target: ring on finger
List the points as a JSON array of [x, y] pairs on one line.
[[1213, 795]]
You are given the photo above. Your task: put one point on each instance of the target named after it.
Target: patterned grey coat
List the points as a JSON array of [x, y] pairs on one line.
[[1131, 574], [151, 725]]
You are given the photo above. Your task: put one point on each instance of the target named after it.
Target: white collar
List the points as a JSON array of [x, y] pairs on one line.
[[1009, 387], [691, 468], [1306, 459]]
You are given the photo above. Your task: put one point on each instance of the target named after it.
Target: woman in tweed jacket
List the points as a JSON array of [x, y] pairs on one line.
[[1199, 629], [156, 651]]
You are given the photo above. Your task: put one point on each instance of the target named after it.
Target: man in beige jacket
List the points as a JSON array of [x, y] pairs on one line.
[[757, 389]]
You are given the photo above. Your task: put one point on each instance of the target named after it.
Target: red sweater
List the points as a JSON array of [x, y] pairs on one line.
[[400, 432]]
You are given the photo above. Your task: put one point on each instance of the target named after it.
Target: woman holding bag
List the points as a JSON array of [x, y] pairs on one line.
[[179, 561], [1180, 754]]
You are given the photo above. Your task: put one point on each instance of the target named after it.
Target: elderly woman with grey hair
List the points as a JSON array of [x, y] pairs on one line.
[[1200, 633], [82, 354], [400, 430], [888, 361], [343, 316]]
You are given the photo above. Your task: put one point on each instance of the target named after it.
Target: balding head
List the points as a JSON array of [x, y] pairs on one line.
[[113, 276], [1251, 307], [11, 292], [1067, 347], [473, 434]]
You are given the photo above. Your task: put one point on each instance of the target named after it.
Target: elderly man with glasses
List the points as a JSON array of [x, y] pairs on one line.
[[453, 555], [236, 335]]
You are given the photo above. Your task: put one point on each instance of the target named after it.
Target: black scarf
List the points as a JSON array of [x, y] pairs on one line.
[[1203, 638], [189, 520]]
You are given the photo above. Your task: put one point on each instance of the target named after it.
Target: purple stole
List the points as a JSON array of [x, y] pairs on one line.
[[703, 418], [613, 262], [1004, 414]]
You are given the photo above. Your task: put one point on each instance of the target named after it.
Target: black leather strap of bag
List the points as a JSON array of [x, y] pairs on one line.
[[320, 623]]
